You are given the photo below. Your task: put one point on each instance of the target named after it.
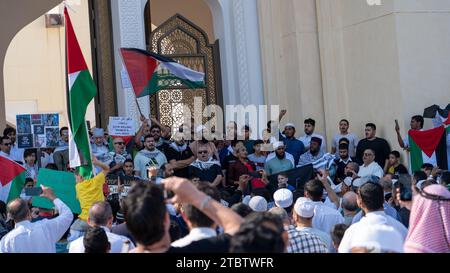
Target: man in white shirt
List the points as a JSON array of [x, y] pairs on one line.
[[309, 133], [200, 225], [370, 200], [38, 237], [325, 217], [370, 167], [343, 133], [100, 215]]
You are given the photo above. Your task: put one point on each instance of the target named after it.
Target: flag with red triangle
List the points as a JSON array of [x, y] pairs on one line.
[[429, 146], [82, 90], [12, 179]]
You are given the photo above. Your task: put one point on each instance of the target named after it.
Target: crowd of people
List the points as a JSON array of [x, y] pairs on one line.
[[179, 191]]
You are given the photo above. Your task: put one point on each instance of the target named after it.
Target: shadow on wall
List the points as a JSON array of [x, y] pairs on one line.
[[15, 15]]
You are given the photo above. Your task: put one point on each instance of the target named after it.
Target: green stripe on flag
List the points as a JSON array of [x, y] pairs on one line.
[[159, 82], [416, 155], [82, 92], [16, 187]]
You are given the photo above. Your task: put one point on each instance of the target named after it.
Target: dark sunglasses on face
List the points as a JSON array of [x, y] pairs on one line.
[[120, 143], [202, 152], [7, 144]]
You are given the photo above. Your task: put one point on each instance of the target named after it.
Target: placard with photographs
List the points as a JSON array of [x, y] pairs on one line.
[[37, 130]]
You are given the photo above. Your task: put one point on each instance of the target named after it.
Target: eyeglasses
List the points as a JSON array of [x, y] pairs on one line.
[[156, 131], [119, 143], [7, 144], [202, 152]]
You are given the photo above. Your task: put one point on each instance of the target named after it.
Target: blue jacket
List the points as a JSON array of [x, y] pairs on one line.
[[293, 146]]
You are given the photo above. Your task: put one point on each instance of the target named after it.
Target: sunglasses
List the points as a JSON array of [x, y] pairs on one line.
[[7, 144], [119, 143], [202, 152]]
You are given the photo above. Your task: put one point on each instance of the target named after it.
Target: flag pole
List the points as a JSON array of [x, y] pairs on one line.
[[137, 103]]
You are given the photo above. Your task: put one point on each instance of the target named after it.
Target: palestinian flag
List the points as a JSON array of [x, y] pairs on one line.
[[150, 73], [82, 90], [12, 179], [428, 146]]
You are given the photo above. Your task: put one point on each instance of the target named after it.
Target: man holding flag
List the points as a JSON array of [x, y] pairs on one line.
[[430, 146]]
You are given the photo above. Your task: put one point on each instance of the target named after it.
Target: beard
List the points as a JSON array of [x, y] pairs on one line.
[[280, 156]]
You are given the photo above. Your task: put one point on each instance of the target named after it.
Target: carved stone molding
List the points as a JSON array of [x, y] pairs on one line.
[[132, 34]]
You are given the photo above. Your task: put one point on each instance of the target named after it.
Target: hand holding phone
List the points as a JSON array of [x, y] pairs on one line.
[[397, 127], [34, 191]]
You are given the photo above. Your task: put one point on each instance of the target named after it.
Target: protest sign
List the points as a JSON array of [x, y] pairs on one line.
[[37, 130], [63, 184], [121, 126]]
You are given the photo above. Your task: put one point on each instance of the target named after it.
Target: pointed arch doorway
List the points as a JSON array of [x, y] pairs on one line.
[[180, 39]]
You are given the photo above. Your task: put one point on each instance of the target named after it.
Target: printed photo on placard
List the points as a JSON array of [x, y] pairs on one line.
[[39, 141], [38, 129], [23, 124], [51, 135], [25, 141], [36, 119], [51, 120]]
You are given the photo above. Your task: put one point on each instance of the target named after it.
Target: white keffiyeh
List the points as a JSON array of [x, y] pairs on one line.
[[178, 148], [150, 154], [205, 165]]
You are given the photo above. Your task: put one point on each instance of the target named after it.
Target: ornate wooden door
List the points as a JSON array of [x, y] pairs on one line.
[[180, 39]]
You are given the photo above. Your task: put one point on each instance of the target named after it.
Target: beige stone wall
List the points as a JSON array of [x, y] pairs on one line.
[[34, 67], [376, 63], [291, 60]]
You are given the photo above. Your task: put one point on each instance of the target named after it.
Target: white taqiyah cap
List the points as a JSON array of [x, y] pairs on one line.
[[304, 207], [258, 203], [278, 144], [289, 125], [283, 198]]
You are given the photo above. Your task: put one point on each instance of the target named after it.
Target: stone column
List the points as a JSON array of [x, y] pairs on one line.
[[128, 31], [104, 56], [236, 27], [291, 60]]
